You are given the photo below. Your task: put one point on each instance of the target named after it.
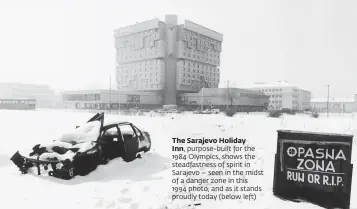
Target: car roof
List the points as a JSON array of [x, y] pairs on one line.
[[112, 122]]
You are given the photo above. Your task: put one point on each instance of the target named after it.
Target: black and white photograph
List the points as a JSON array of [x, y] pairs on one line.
[[177, 104]]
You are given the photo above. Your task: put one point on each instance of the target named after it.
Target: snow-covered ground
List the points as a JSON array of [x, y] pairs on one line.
[[144, 183]]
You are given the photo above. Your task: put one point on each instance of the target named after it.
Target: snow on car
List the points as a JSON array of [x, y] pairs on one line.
[[82, 150]]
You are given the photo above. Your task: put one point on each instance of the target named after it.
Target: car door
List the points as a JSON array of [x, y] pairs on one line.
[[111, 142], [131, 141], [141, 138]]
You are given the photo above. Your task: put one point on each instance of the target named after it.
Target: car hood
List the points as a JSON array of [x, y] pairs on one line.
[[78, 140]]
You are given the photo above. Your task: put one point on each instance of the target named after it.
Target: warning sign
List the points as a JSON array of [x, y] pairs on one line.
[[313, 163]]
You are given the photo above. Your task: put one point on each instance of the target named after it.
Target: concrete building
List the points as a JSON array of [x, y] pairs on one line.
[[43, 94], [110, 99], [244, 100], [167, 57], [284, 96], [17, 104], [335, 105]]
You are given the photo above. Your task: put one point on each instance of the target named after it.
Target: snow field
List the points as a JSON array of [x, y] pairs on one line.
[[146, 183]]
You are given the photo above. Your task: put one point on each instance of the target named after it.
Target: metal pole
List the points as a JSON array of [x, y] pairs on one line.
[[110, 91], [328, 98], [202, 98], [118, 99], [228, 94]]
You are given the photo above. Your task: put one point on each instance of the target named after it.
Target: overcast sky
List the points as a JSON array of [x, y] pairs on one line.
[[69, 44]]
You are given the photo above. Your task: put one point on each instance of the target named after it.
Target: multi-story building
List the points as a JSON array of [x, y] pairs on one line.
[[284, 96], [243, 100], [335, 105], [167, 58]]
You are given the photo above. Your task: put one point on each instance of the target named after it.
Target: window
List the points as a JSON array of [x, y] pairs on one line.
[[111, 132]]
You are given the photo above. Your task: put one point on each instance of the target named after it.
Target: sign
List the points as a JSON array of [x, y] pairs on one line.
[[314, 167]]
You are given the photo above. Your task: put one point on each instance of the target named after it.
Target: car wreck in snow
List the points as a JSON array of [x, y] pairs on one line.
[[81, 151]]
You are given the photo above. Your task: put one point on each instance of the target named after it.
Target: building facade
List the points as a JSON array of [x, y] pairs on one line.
[[334, 105], [244, 100], [167, 58], [110, 99], [17, 104], [284, 96], [45, 97]]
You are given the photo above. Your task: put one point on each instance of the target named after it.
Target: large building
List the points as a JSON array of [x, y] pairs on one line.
[[45, 97], [243, 100], [110, 99], [284, 96], [335, 105], [167, 58]]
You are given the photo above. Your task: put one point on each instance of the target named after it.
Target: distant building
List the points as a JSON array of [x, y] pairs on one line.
[[17, 104], [43, 94], [335, 105], [110, 99], [244, 100], [167, 58], [284, 96]]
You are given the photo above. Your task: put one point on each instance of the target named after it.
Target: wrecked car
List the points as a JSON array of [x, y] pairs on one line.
[[81, 151]]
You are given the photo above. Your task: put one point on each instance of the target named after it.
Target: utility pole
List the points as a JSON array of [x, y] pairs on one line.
[[229, 94], [328, 98], [110, 92], [202, 89], [118, 98]]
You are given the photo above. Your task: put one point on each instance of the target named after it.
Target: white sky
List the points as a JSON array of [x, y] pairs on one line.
[[69, 44]]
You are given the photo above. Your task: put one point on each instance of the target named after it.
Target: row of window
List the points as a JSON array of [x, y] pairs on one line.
[[270, 90], [196, 65], [17, 101], [143, 86], [200, 58], [201, 42], [150, 32], [140, 44], [193, 34], [199, 47], [140, 70], [188, 75], [206, 52], [144, 47], [202, 72], [138, 56], [82, 97], [199, 82], [139, 76]]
